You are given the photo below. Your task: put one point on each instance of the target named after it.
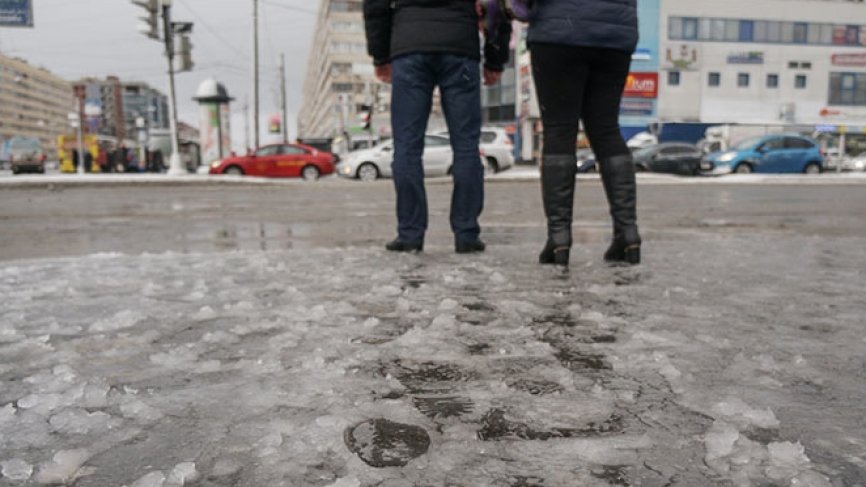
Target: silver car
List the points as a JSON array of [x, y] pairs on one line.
[[497, 147], [374, 163]]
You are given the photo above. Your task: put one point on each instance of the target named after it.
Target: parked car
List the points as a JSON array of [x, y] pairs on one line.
[[669, 157], [374, 163], [856, 163], [279, 161], [780, 153], [25, 154], [497, 147], [586, 162]]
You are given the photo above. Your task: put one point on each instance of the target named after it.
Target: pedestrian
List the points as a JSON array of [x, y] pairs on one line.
[[418, 45], [581, 51]]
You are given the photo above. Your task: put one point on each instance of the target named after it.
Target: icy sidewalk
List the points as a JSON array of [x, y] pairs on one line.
[[272, 369]]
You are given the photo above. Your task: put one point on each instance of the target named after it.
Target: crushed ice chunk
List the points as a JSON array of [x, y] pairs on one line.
[[389, 291], [498, 278], [79, 421], [737, 410], [346, 482], [7, 413], [448, 304], [136, 409], [63, 467], [153, 479], [181, 474], [123, 319], [205, 313], [786, 459], [16, 469], [720, 440]]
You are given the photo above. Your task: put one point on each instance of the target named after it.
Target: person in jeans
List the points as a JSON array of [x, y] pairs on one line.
[[581, 51], [418, 45]]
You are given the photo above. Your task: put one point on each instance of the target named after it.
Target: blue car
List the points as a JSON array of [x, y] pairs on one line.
[[781, 153]]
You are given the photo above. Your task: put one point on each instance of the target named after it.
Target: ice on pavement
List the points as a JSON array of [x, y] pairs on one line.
[[249, 368]]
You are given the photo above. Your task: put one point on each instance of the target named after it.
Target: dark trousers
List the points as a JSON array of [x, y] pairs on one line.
[[414, 77], [580, 83]]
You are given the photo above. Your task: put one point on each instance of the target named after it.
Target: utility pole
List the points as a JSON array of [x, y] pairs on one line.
[[246, 124], [175, 166], [283, 102], [255, 57], [149, 26]]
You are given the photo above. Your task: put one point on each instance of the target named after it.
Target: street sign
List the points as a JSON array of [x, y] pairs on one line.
[[16, 13]]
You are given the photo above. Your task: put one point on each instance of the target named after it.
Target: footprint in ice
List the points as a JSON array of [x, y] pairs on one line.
[[441, 407], [382, 443]]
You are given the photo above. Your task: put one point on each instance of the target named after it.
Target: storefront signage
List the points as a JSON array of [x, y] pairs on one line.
[[751, 57], [851, 60], [681, 57], [636, 108], [16, 13], [641, 85]]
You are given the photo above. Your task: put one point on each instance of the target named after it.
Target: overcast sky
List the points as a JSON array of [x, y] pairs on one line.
[[74, 39]]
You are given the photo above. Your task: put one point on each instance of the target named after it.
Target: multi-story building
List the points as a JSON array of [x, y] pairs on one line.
[[112, 107], [763, 61], [33, 102], [340, 78]]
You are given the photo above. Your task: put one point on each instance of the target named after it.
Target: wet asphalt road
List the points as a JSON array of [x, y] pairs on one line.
[[67, 221]]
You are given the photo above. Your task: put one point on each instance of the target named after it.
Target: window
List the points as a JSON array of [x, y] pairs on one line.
[[800, 81], [793, 65], [848, 89], [690, 28], [717, 29], [675, 28], [743, 80], [673, 78], [772, 81], [773, 144], [433, 141], [797, 143], [747, 29], [715, 79], [801, 33], [760, 31], [805, 65], [271, 150], [732, 30], [774, 31], [291, 150]]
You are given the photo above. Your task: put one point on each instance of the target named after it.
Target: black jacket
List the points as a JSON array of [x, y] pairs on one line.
[[591, 23], [396, 27]]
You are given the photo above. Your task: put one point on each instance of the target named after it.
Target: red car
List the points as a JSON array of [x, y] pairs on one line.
[[279, 161]]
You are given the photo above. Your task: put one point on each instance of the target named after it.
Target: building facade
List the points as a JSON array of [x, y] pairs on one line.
[[33, 102], [340, 82], [111, 107], [792, 62]]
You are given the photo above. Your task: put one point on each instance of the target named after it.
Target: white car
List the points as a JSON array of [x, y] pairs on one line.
[[374, 163], [856, 163], [497, 148]]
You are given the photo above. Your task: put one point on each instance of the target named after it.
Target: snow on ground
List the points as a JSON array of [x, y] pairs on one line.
[[731, 362]]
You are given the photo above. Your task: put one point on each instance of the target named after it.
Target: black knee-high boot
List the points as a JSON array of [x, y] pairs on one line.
[[557, 192], [617, 175]]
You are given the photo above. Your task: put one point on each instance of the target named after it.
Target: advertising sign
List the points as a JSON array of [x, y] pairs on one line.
[[751, 57], [641, 85], [682, 57], [857, 60], [636, 108], [16, 13]]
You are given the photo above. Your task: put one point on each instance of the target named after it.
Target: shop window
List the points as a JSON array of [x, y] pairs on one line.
[[673, 78], [743, 80], [800, 81]]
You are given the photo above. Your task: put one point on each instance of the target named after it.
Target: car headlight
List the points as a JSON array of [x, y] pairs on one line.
[[215, 164], [860, 164], [727, 157], [346, 169]]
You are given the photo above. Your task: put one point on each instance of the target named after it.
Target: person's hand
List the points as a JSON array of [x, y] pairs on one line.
[[491, 77], [383, 72]]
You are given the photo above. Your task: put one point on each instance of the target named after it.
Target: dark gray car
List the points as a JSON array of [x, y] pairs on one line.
[[669, 157]]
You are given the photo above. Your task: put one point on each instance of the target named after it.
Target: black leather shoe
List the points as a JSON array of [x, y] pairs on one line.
[[551, 254], [469, 247], [398, 245]]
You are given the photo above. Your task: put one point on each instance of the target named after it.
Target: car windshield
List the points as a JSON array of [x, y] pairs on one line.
[[748, 143], [24, 145]]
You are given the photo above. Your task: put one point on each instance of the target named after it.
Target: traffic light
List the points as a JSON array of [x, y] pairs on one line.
[[149, 24], [183, 53]]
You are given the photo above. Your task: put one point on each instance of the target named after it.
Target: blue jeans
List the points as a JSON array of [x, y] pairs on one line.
[[414, 76]]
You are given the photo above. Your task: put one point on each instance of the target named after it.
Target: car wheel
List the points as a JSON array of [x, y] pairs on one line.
[[639, 168], [310, 173], [812, 168], [368, 172], [234, 171], [15, 170], [743, 168], [492, 165]]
